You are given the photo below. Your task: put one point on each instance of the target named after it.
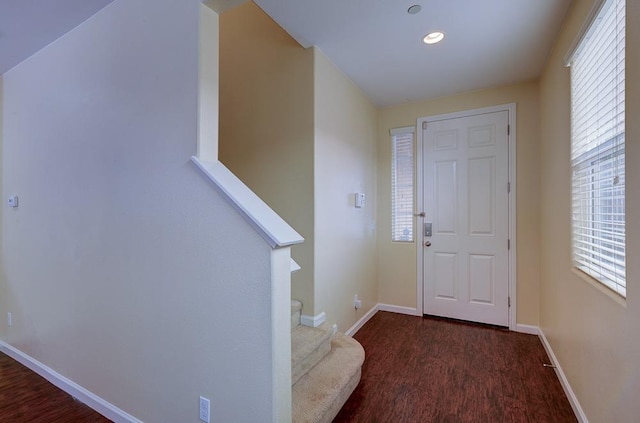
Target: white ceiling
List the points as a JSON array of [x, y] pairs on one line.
[[26, 26], [375, 42], [379, 45]]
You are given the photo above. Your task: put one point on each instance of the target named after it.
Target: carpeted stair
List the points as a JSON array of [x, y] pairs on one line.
[[325, 369]]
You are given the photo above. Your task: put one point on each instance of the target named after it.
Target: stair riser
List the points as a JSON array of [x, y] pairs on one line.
[[295, 319], [318, 396], [308, 346], [303, 366], [337, 405], [296, 313]]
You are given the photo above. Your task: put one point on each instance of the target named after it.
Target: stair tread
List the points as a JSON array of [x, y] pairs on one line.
[[323, 390], [306, 338], [308, 346]]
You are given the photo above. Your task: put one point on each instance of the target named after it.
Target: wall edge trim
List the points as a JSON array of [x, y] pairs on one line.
[[571, 396], [411, 311], [275, 231], [85, 396], [530, 329], [361, 322], [313, 321]]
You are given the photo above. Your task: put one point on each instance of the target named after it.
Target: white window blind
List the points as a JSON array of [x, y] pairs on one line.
[[598, 148], [402, 184]]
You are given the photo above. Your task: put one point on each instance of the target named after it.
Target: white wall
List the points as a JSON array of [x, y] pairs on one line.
[[3, 298], [124, 269], [594, 334], [344, 163]]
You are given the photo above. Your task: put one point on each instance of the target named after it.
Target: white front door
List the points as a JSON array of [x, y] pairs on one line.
[[465, 183]]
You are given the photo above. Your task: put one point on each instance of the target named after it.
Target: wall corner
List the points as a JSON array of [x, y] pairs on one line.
[[208, 75]]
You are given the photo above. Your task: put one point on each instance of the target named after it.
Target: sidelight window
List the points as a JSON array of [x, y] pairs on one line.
[[402, 159]]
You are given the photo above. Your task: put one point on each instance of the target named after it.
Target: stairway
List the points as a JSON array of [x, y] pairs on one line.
[[325, 369]]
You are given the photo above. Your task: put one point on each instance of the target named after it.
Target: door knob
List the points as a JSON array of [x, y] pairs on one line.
[[427, 244]]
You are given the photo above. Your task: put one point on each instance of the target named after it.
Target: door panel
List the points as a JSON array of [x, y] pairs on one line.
[[466, 171], [445, 269], [446, 140], [481, 183], [446, 194], [481, 279]]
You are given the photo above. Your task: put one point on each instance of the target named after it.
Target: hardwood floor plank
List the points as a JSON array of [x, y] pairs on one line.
[[27, 397], [435, 370]]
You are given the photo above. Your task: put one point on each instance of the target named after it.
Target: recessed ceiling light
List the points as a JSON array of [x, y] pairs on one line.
[[433, 37], [415, 9]]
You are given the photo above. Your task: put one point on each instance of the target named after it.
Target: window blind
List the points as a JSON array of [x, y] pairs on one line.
[[598, 148], [402, 158]]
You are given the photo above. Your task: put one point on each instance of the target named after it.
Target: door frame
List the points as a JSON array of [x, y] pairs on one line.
[[511, 109]]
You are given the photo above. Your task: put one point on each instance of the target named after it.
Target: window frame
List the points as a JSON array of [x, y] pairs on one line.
[[598, 233], [406, 214]]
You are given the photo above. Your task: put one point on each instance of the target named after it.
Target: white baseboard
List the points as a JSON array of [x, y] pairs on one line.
[[531, 330], [364, 319], [103, 407], [313, 321], [399, 309], [381, 307], [573, 400]]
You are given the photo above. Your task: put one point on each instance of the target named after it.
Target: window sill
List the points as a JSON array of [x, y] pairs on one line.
[[600, 287]]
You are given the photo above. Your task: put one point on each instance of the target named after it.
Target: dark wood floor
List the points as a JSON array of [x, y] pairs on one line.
[[433, 370], [27, 397], [416, 370]]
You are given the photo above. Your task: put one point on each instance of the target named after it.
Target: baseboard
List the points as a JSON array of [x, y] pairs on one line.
[[364, 319], [531, 330], [399, 309], [381, 307], [103, 407], [573, 400], [313, 321]]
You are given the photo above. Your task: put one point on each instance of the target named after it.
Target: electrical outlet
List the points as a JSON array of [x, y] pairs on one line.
[[9, 319], [205, 408], [357, 302], [13, 201]]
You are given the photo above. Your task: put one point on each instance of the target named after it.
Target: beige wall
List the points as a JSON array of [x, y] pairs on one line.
[[345, 163], [397, 261], [302, 136], [266, 124], [595, 335]]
